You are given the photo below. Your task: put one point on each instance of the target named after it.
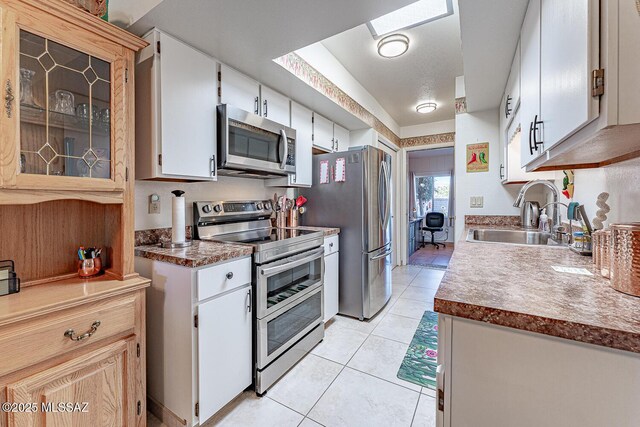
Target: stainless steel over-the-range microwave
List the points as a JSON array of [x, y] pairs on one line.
[[252, 146]]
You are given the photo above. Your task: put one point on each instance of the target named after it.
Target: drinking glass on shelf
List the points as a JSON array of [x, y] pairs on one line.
[[26, 87], [63, 102], [105, 119]]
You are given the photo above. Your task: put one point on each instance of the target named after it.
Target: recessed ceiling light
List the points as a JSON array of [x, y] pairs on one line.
[[426, 107], [393, 45], [415, 14]]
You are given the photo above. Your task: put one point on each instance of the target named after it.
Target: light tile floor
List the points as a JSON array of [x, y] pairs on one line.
[[350, 378]]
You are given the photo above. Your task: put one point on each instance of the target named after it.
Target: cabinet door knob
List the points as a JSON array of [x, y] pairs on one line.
[[331, 244], [71, 334], [230, 275]]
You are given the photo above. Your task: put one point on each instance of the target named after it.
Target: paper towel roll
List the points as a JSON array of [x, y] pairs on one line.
[[178, 217]]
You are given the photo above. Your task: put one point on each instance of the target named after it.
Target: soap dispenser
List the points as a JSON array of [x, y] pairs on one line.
[[544, 222]]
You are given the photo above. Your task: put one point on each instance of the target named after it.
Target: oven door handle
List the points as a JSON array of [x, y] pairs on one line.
[[384, 255], [270, 271], [285, 150]]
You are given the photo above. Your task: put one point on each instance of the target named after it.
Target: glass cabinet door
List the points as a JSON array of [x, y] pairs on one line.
[[65, 110]]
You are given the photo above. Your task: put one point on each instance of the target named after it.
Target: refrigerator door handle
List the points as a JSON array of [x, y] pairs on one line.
[[381, 208], [383, 255], [387, 199]]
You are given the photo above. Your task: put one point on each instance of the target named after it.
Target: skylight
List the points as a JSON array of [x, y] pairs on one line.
[[410, 16]]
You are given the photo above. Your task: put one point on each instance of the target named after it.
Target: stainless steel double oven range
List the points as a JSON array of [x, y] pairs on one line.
[[288, 277]]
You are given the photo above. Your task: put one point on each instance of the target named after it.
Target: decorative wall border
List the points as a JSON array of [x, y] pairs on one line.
[[300, 68], [441, 138]]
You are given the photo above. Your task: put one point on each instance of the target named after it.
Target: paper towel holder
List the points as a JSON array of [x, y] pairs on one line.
[[176, 245]]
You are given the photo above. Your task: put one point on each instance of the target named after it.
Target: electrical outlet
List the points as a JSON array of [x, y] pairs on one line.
[[154, 204]]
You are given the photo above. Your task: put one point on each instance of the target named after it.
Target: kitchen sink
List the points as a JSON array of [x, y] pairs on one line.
[[514, 237]]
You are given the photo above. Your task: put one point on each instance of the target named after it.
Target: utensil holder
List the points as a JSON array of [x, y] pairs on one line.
[[281, 219], [294, 217], [625, 258], [89, 267]]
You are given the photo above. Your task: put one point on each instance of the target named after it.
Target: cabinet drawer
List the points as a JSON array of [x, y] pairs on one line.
[[331, 245], [33, 341], [224, 277]]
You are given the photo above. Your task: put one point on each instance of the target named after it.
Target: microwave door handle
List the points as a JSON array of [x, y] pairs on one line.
[[270, 271], [285, 150]]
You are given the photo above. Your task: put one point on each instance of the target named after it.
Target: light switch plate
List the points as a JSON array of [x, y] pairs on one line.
[[476, 201]]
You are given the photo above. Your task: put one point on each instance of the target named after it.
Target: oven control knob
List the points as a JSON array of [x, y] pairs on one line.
[[206, 208], [217, 208], [259, 206], [267, 206]]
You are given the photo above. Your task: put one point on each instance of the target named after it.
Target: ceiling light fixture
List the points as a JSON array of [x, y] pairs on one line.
[[393, 46], [426, 107], [410, 16]]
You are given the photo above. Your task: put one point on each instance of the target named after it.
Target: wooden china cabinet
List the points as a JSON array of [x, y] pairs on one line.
[[66, 180]]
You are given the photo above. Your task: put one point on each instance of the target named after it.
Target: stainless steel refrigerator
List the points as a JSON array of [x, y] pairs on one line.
[[361, 206]]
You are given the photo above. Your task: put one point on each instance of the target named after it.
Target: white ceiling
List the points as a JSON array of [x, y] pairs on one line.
[[249, 34], [426, 72], [490, 31], [433, 152]]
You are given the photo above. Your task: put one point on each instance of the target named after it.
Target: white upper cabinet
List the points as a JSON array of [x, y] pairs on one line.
[[244, 93], [239, 91], [302, 122], [530, 81], [512, 93], [580, 74], [568, 54], [341, 138], [275, 106], [175, 111], [323, 133]]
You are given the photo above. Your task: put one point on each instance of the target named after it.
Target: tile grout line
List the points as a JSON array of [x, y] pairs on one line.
[[384, 379]]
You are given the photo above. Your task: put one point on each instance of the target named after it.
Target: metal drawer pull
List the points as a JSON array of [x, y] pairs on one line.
[[230, 275], [69, 333]]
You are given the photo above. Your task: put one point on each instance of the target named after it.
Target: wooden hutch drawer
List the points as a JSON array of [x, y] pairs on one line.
[[33, 341]]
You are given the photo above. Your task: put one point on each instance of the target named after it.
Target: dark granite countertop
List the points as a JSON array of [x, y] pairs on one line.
[[516, 287], [197, 255]]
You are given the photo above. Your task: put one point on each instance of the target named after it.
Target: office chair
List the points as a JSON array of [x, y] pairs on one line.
[[434, 222]]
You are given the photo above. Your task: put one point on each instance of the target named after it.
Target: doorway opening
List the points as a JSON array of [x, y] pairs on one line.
[[431, 207]]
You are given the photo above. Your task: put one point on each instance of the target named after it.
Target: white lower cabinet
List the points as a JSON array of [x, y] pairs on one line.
[[224, 349], [331, 276], [497, 376], [199, 337]]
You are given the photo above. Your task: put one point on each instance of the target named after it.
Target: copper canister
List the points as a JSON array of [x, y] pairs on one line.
[[625, 258], [605, 253], [597, 249]]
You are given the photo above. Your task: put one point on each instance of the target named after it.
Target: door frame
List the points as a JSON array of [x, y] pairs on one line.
[[403, 206]]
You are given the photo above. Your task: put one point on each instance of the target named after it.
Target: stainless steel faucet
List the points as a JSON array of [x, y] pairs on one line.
[[550, 186]]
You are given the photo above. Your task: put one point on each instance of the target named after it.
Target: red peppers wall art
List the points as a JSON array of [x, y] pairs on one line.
[[478, 157]]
